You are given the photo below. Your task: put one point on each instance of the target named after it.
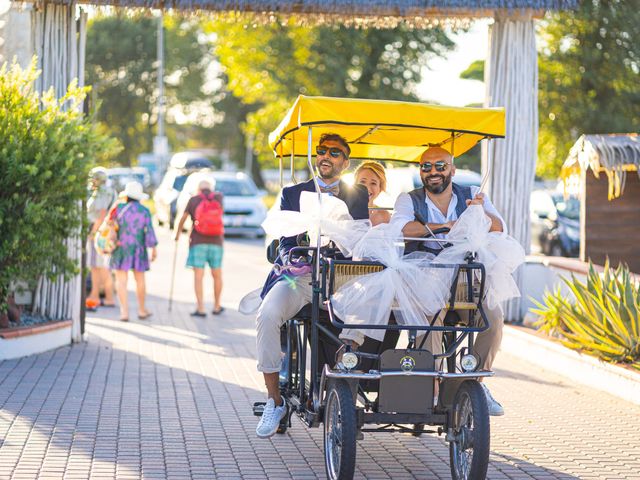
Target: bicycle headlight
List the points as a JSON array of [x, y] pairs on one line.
[[349, 360], [469, 363]]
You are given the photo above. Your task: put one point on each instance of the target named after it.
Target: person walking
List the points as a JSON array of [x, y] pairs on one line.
[[205, 243], [135, 236], [101, 199]]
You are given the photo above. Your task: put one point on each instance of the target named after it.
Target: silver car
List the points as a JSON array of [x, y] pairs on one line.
[[244, 210]]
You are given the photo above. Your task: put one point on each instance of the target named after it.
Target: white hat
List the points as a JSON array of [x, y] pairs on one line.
[[134, 190]]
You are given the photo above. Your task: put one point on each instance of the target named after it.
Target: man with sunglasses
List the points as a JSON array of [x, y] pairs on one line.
[[282, 300], [437, 204]]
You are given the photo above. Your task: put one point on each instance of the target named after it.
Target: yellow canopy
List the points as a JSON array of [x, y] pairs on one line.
[[385, 130]]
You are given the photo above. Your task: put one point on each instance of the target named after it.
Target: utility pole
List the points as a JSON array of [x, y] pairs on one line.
[[160, 143]]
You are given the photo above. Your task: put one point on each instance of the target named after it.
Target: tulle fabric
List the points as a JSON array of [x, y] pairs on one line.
[[410, 285], [500, 253], [322, 213], [416, 286]]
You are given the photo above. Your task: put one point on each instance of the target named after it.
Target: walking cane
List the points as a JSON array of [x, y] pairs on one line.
[[173, 274]]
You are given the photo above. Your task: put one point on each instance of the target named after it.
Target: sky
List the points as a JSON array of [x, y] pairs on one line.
[[442, 82]]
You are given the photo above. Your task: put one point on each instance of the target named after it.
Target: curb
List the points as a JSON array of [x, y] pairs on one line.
[[583, 369]]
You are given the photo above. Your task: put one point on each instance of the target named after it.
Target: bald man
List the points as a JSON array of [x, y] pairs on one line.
[[439, 203]]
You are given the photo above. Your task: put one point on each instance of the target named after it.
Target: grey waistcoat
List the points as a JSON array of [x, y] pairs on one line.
[[421, 210]]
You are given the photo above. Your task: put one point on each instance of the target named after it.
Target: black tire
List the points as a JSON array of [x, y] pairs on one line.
[[556, 250], [340, 432], [469, 450], [285, 422]]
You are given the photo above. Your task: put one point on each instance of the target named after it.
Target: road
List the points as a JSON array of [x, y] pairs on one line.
[[170, 397]]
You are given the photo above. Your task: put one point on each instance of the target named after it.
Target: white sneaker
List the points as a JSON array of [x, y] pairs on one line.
[[270, 420], [495, 409]]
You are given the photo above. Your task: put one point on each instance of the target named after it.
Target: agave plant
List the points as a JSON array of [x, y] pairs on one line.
[[602, 320]]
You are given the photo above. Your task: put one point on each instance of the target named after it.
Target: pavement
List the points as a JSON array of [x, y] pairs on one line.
[[170, 397]]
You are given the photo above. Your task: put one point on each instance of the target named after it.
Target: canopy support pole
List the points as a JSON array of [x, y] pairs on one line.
[[292, 160]]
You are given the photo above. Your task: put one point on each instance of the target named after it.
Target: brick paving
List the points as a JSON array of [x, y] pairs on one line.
[[170, 397]]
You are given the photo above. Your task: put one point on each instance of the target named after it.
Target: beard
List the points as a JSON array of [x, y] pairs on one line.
[[327, 174], [439, 188]]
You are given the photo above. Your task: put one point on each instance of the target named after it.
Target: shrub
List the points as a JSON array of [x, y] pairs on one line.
[[47, 147], [604, 318]]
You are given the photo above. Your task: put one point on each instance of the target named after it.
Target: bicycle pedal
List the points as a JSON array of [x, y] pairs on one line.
[[258, 408]]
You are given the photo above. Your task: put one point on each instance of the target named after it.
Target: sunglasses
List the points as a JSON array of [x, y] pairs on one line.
[[440, 166], [335, 152]]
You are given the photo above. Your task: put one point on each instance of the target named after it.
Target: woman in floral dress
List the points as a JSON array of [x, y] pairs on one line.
[[135, 236]]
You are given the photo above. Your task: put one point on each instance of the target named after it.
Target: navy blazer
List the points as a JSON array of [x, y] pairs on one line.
[[356, 198]]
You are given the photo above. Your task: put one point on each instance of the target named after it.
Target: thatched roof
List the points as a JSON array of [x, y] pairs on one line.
[[349, 8], [614, 155]]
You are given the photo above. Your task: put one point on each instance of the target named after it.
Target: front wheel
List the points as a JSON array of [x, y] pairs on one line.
[[340, 432], [469, 447]]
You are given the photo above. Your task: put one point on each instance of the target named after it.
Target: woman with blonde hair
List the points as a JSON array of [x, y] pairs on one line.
[[372, 175]]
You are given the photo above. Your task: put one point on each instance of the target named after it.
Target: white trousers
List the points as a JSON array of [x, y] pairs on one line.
[[282, 302]]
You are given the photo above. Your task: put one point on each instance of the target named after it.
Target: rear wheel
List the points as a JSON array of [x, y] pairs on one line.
[[469, 447], [340, 432]]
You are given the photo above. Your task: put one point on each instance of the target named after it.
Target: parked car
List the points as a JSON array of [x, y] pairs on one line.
[[166, 195], [191, 161], [244, 210], [181, 165], [119, 177], [555, 223]]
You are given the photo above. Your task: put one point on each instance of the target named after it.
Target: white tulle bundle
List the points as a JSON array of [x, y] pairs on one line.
[[318, 213], [409, 285], [500, 253], [414, 286]]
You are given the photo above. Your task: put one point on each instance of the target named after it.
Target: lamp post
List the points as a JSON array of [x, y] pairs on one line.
[[160, 143]]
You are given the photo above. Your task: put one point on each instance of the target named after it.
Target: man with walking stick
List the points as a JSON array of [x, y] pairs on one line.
[[205, 243]]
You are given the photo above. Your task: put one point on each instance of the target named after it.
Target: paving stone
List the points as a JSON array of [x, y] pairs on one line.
[[171, 398]]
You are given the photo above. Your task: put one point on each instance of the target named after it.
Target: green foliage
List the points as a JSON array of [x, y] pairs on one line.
[[268, 66], [589, 76], [604, 321], [46, 150], [122, 67], [475, 71]]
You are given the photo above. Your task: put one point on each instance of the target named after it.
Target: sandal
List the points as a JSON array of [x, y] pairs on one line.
[[198, 314], [219, 311], [146, 315], [124, 319]]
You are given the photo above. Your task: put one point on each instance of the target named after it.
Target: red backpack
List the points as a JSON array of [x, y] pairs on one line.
[[208, 216]]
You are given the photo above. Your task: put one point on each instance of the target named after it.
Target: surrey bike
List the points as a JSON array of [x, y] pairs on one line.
[[386, 386]]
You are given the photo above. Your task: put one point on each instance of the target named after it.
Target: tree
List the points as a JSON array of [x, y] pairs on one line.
[[121, 66], [46, 150], [589, 76], [267, 66], [475, 71]]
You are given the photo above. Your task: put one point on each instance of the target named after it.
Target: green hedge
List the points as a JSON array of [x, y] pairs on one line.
[[47, 147]]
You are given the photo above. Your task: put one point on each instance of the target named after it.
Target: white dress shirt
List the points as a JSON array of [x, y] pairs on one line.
[[403, 210]]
